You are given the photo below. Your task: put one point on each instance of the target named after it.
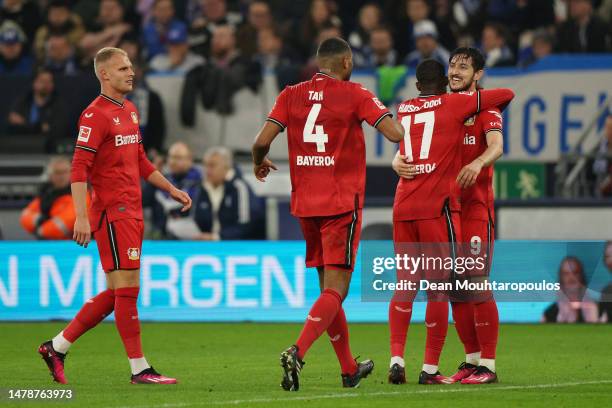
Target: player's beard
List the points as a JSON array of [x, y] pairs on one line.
[[464, 88]]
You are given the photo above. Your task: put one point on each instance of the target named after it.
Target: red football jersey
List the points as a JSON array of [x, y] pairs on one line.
[[433, 127], [109, 153], [326, 145], [477, 201]]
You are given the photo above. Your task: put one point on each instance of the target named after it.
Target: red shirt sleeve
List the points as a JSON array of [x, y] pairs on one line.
[[144, 164], [466, 104], [491, 119], [93, 128], [369, 108], [280, 111]]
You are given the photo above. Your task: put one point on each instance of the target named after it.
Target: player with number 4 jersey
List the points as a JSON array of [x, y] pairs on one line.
[[426, 207], [323, 119]]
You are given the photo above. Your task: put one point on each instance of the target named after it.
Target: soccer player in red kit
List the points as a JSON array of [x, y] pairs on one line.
[[426, 207], [323, 119], [109, 153], [476, 318]]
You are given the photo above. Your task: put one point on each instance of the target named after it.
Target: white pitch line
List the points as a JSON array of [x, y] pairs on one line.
[[463, 388]]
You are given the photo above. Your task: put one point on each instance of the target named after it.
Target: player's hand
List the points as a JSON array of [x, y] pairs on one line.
[[182, 197], [261, 171], [82, 232], [468, 174], [403, 169]]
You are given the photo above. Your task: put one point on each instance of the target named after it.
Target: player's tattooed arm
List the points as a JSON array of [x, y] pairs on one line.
[[261, 164], [403, 169], [495, 148]]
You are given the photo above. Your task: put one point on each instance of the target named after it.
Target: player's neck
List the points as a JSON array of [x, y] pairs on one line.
[[330, 73], [113, 94]]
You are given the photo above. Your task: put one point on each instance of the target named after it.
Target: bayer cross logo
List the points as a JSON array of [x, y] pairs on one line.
[[133, 254]]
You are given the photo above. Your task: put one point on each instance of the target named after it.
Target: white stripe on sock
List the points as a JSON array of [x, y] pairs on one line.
[[473, 358], [430, 369], [60, 344], [397, 360], [138, 364], [489, 363]]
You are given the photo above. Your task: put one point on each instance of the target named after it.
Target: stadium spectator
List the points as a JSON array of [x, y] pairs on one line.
[[427, 47], [166, 216], [583, 31], [542, 45], [40, 111], [51, 214], [223, 74], [259, 17], [574, 305], [108, 29], [370, 17], [494, 46], [275, 56], [60, 56], [225, 207], [605, 304], [24, 13], [14, 58], [535, 14], [177, 58], [163, 25], [603, 165], [60, 21], [605, 11], [205, 19], [318, 16], [379, 51], [444, 16], [151, 122]]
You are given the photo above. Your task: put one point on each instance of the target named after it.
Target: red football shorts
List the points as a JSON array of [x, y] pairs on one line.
[[332, 241], [478, 236], [119, 243], [434, 241]]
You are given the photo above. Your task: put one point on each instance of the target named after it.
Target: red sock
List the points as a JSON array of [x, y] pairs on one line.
[[463, 315], [126, 319], [92, 313], [339, 337], [400, 314], [319, 318], [487, 327], [436, 321]]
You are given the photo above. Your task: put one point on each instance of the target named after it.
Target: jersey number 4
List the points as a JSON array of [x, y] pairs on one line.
[[315, 133], [429, 120]]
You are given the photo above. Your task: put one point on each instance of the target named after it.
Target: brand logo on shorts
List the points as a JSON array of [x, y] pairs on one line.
[[133, 254]]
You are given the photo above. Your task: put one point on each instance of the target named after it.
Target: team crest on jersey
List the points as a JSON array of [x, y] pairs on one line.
[[134, 118], [470, 121], [84, 133], [133, 254]]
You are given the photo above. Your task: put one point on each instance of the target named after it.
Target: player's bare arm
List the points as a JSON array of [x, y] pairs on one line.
[[391, 129], [261, 164], [82, 229], [159, 181], [495, 148], [401, 168]]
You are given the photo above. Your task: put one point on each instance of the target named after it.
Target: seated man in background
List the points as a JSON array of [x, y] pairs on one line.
[[225, 207], [39, 111], [51, 214], [182, 174]]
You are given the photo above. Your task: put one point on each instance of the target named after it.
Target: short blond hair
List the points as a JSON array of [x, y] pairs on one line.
[[104, 55]]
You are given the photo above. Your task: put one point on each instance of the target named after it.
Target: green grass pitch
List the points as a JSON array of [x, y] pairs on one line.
[[237, 365]]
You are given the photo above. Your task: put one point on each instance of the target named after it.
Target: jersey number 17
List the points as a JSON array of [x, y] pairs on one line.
[[429, 119]]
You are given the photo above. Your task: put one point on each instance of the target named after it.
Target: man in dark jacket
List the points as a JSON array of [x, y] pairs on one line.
[[225, 207], [40, 111], [583, 31]]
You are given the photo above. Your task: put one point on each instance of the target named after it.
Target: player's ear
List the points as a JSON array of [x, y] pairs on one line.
[[478, 75]]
